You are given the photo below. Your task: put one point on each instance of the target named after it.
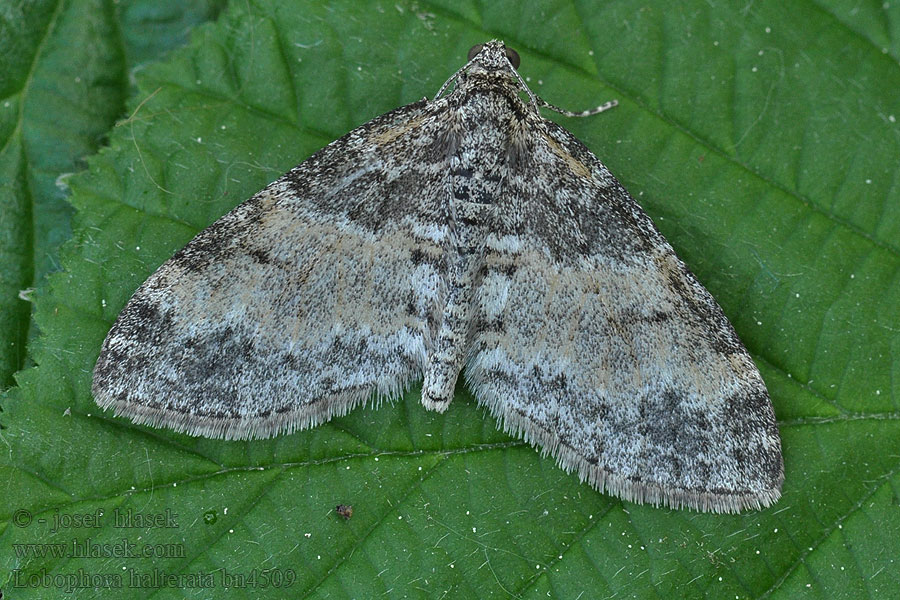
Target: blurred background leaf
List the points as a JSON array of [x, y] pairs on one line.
[[64, 79], [763, 140]]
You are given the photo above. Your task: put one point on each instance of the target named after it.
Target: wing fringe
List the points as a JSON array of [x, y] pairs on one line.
[[602, 480], [250, 427]]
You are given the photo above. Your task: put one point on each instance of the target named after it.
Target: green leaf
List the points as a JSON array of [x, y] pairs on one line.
[[63, 82], [762, 139]]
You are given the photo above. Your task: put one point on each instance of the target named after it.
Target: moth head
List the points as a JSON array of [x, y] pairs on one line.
[[488, 62], [494, 55]]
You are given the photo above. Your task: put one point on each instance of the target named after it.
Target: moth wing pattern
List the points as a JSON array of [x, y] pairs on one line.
[[595, 343], [467, 232], [295, 306]]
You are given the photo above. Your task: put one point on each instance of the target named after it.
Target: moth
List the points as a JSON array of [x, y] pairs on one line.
[[463, 234]]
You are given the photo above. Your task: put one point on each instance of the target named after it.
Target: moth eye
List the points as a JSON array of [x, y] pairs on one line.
[[474, 50], [513, 57]]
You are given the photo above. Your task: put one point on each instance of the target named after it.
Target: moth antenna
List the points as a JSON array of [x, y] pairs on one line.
[[584, 113]]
